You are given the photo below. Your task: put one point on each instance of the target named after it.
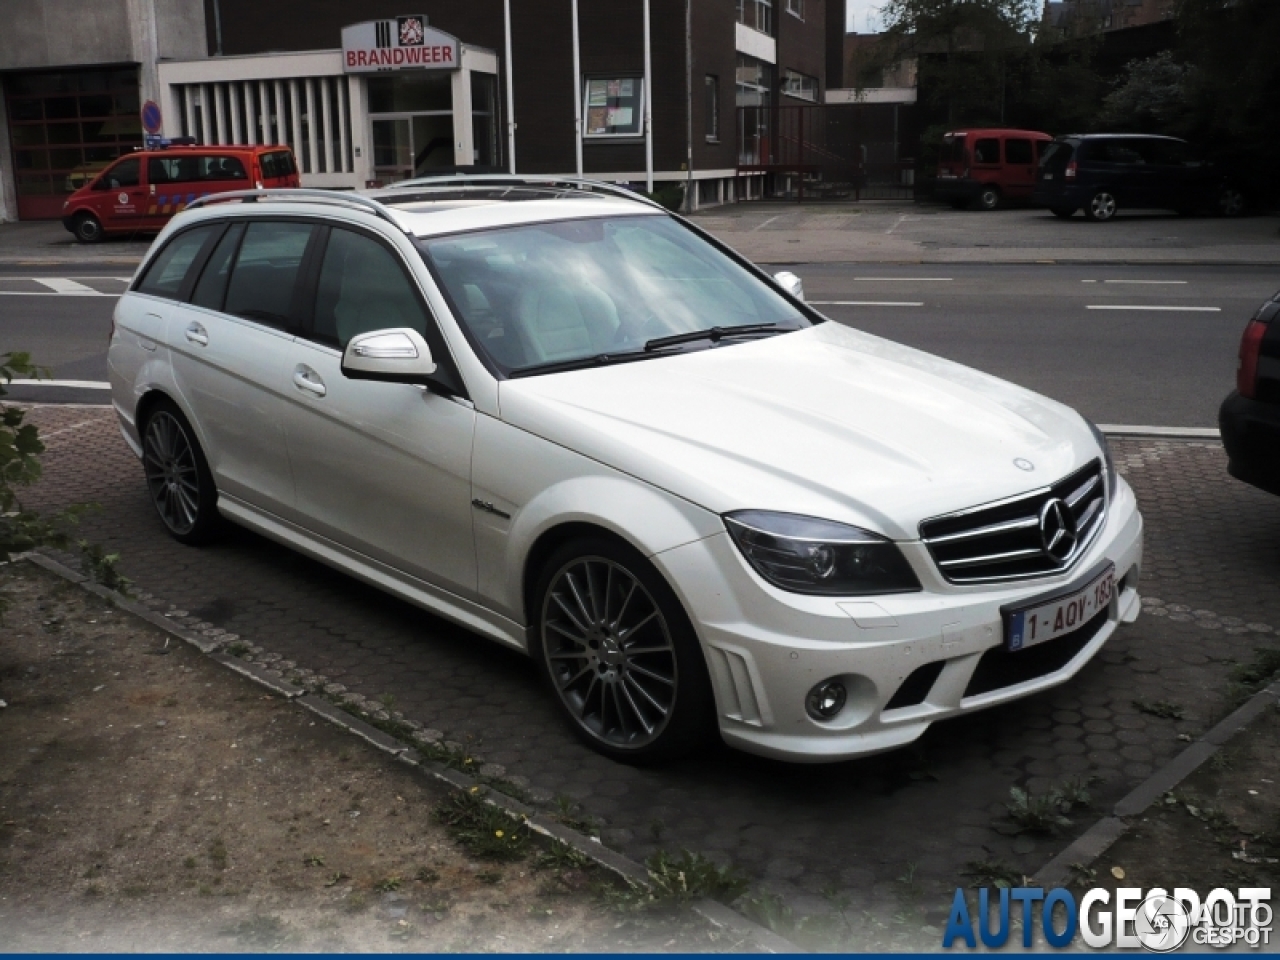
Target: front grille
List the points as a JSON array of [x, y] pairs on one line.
[[1006, 540]]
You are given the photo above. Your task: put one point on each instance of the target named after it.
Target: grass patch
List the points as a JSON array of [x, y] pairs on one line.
[[484, 832], [1164, 709], [1047, 812]]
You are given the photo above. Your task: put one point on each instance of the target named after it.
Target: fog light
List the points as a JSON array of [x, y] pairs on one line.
[[825, 700]]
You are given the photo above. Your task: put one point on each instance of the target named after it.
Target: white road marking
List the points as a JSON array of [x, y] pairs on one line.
[[1158, 309], [77, 384], [761, 226], [903, 279], [64, 285], [1155, 283], [74, 426], [866, 303], [900, 221], [1194, 433], [65, 293]]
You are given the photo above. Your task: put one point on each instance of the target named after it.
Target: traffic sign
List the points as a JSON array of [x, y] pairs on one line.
[[151, 118]]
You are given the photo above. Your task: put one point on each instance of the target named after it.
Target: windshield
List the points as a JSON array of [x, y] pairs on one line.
[[553, 293]]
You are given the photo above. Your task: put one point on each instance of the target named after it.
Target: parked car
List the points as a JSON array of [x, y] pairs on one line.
[[1250, 416], [989, 167], [1104, 173], [142, 190], [580, 426]]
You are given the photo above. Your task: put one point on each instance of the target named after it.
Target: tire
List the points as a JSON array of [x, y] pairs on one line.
[[591, 596], [1101, 206], [1230, 202], [87, 228], [179, 481], [1063, 213], [988, 198]]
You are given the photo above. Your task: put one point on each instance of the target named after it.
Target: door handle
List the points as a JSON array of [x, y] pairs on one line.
[[304, 378], [197, 334]]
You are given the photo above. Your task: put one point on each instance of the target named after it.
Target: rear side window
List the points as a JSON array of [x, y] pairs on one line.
[[1123, 152], [266, 271], [1168, 153], [1018, 150], [277, 164], [362, 287], [192, 169], [167, 271], [212, 286], [1057, 154], [986, 151]]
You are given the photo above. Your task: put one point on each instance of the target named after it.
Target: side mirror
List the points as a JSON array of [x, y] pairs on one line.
[[789, 282], [400, 355]]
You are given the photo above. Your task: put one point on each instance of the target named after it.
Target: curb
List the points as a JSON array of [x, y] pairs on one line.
[[1095, 841], [1163, 433], [209, 642]]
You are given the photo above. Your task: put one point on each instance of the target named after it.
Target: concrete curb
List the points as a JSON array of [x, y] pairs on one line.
[[717, 914], [1098, 839], [1161, 433]]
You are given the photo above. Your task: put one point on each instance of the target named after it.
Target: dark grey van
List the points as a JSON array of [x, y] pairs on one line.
[[1103, 173]]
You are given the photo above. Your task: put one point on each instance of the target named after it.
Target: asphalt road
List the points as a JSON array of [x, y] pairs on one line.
[[1137, 345]]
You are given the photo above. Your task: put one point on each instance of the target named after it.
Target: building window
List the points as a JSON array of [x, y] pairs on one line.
[[757, 14], [754, 98], [615, 107], [799, 85], [796, 8], [713, 108]]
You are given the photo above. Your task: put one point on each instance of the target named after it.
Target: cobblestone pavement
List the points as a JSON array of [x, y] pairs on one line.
[[885, 830]]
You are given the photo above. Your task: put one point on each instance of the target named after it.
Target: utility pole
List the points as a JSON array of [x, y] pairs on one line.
[[648, 103], [577, 91], [511, 97]]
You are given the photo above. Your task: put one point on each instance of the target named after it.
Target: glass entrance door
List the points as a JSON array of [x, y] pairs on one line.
[[392, 150]]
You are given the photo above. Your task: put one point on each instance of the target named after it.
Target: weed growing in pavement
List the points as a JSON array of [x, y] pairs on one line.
[[485, 832], [237, 649], [567, 812], [560, 856], [1083, 876], [1246, 679], [388, 701], [388, 884], [1164, 709], [1047, 812], [993, 873], [100, 567], [691, 875]]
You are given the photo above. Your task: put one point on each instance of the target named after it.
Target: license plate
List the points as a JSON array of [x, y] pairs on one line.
[[1048, 176], [1048, 621]]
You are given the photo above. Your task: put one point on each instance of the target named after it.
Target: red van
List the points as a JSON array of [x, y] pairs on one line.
[[142, 190], [988, 167]]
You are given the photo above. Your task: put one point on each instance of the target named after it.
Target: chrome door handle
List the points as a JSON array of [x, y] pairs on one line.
[[304, 378], [197, 334]]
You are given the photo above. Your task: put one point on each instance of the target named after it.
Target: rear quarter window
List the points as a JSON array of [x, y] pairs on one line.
[[277, 164]]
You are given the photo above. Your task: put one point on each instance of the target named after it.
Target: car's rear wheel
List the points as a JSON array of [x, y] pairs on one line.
[[1063, 213], [1101, 206], [1230, 203], [618, 651], [178, 476], [87, 228], [988, 198]]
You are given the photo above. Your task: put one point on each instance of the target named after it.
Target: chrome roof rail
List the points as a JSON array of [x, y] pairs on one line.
[[301, 194], [512, 182]]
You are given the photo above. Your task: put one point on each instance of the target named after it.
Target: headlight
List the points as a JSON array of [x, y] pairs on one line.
[[807, 555], [1106, 457]]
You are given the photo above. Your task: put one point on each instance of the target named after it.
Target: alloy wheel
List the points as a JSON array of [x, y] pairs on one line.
[[1230, 202], [1102, 206], [88, 229], [173, 479], [609, 652]]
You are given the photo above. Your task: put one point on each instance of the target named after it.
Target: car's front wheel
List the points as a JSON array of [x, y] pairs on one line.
[[1230, 203], [178, 476], [618, 651], [87, 228], [1101, 206], [989, 198]]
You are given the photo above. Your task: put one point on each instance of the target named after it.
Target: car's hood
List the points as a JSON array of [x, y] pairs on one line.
[[828, 422]]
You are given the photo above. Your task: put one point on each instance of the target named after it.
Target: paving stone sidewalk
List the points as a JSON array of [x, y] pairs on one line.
[[889, 832]]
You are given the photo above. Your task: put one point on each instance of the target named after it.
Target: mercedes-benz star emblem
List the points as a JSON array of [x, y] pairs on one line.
[[1058, 534], [1023, 464]]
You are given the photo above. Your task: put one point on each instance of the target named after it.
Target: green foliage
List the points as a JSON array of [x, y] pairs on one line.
[[994, 873], [1164, 709], [1152, 97], [670, 195], [1047, 812], [691, 876], [101, 566], [485, 832]]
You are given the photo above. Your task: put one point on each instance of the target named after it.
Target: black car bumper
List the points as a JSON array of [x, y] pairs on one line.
[[1251, 436], [955, 188]]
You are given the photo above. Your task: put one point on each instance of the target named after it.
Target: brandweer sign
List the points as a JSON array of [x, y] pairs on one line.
[[402, 43]]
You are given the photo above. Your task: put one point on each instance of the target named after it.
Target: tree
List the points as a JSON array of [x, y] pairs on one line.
[[1152, 97]]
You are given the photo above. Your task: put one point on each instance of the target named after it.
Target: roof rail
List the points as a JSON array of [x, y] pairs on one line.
[[487, 181], [299, 194]]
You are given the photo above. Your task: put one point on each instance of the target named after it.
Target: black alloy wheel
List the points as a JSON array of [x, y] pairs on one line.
[[620, 654], [178, 476], [87, 228]]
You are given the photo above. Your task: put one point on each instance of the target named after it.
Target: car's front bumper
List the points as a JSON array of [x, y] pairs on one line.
[[766, 649], [1251, 435]]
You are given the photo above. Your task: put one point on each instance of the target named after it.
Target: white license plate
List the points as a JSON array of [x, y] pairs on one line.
[[1048, 621], [1048, 176]]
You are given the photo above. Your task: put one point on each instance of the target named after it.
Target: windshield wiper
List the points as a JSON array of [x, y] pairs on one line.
[[715, 335], [583, 363]]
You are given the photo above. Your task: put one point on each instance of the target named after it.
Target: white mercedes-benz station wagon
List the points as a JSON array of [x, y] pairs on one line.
[[560, 416]]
